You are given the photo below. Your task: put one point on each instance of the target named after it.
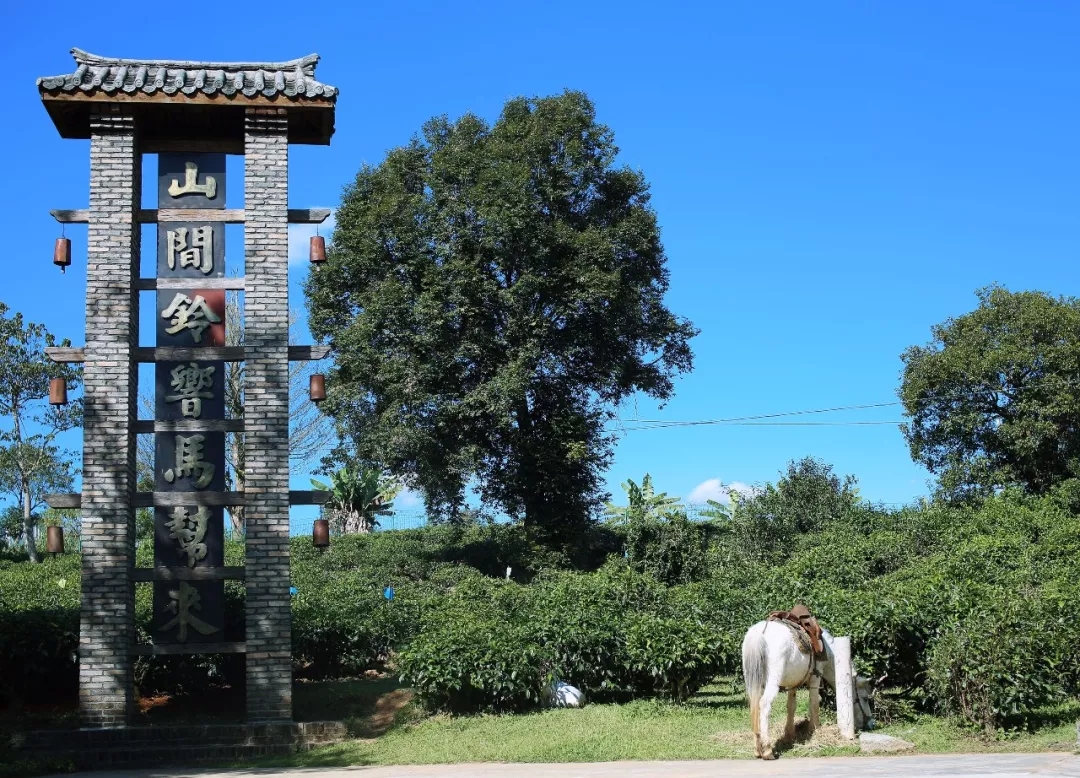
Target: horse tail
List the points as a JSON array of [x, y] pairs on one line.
[[755, 670]]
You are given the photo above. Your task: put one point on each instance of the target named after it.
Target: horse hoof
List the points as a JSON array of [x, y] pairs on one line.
[[768, 755]]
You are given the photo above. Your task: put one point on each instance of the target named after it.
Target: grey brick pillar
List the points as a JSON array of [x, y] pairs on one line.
[[107, 622], [266, 415]]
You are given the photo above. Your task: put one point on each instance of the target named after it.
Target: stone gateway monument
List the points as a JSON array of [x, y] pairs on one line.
[[191, 114]]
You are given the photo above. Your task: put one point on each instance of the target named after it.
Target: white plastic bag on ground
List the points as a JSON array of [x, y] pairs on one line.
[[563, 695]]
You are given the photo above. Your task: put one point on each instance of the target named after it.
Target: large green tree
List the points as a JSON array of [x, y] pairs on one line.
[[994, 399], [491, 292], [30, 461]]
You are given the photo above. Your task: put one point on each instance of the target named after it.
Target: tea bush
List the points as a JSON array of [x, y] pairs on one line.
[[39, 628], [615, 634], [962, 610]]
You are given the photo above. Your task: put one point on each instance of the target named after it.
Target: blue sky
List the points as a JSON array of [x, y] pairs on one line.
[[831, 179]]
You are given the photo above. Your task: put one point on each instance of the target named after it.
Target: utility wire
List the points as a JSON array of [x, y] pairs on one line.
[[769, 424], [738, 420], [735, 419]]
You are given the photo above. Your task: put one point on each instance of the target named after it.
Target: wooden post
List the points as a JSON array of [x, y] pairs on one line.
[[845, 692]]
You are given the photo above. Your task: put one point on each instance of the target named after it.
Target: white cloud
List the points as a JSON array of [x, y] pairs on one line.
[[407, 498], [712, 489], [300, 236], [715, 489]]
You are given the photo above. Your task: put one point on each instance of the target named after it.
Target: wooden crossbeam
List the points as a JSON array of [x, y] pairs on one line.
[[174, 499], [149, 574], [150, 284], [188, 648], [198, 354], [227, 215], [148, 426]]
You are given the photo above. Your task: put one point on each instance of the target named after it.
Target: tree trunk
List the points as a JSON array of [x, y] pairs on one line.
[[28, 525], [526, 467]]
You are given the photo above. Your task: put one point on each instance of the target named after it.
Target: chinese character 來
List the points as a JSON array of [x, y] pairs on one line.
[[184, 601]]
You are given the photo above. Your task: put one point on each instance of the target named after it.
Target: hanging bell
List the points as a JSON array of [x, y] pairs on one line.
[[320, 533], [317, 388], [57, 391], [54, 543], [62, 254], [318, 248]]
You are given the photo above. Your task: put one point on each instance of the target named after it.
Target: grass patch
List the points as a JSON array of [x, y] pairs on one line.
[[713, 725], [388, 727]]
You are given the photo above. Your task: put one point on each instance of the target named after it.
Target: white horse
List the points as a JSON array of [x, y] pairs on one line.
[[772, 662]]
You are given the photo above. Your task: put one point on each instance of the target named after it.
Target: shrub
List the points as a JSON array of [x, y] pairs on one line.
[[998, 664], [493, 645], [39, 628], [671, 549]]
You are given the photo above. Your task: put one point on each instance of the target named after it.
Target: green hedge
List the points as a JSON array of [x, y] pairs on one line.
[[966, 608], [39, 627], [495, 645]]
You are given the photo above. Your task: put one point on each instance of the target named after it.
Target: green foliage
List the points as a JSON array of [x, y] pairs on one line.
[[357, 496], [643, 503], [30, 463], [491, 292], [805, 499], [963, 609], [994, 398], [614, 634], [999, 663], [670, 549], [39, 628]]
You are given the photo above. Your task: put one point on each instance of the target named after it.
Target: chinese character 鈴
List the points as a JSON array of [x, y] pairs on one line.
[[194, 315]]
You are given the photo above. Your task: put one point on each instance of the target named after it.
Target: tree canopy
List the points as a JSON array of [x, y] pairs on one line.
[[30, 462], [490, 293], [994, 399]]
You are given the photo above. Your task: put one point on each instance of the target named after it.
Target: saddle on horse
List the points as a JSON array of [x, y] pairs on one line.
[[803, 621]]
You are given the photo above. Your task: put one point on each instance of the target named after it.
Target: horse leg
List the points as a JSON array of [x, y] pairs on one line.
[[755, 709], [815, 702], [789, 725], [772, 687]]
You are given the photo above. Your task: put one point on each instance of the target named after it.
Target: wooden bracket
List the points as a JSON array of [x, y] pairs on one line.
[[227, 215]]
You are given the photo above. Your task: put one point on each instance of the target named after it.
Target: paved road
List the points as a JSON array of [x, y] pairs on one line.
[[962, 765]]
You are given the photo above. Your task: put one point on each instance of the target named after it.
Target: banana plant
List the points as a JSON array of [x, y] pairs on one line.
[[643, 503], [357, 497]]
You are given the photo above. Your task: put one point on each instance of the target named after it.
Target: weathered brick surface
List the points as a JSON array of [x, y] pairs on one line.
[[110, 389], [266, 419]]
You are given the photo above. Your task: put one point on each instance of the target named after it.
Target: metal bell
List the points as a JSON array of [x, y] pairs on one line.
[[317, 388], [320, 533], [62, 254], [318, 248], [54, 543], [57, 391]]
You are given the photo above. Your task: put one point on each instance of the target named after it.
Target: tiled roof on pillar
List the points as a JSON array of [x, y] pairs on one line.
[[181, 99], [293, 79]]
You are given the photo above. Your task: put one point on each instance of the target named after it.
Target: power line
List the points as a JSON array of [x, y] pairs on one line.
[[738, 420], [735, 419], [658, 426]]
